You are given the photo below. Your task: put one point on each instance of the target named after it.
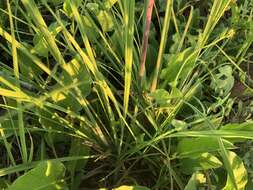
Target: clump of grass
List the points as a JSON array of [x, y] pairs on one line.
[[83, 95]]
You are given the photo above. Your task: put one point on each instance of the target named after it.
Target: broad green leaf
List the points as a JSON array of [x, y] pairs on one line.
[[208, 161], [204, 161], [223, 81], [179, 124], [125, 187], [170, 71], [163, 97], [47, 175], [192, 147], [239, 171], [195, 180]]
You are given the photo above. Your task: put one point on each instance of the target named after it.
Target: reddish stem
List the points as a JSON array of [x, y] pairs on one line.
[[145, 38]]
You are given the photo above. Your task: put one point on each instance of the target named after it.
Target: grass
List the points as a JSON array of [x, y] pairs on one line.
[[112, 94]]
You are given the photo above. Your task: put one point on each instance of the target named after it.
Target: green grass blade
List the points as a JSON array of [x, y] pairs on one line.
[[19, 104], [27, 166], [83, 32], [166, 25], [129, 38], [7, 146], [32, 8], [185, 30]]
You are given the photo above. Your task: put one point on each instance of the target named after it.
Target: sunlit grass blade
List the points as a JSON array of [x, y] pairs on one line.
[[129, 49], [12, 94], [35, 59], [21, 126], [164, 37], [217, 11], [83, 32], [32, 8]]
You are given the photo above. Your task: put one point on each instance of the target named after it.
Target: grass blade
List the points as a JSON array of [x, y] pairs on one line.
[[19, 104], [166, 25], [129, 37]]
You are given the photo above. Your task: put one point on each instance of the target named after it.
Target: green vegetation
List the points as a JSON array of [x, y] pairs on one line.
[[126, 94]]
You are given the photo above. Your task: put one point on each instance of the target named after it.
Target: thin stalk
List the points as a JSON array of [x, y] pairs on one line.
[[7, 146], [145, 39], [166, 25], [185, 31], [175, 20]]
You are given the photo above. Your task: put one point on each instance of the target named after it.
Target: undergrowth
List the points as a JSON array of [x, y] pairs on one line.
[[126, 94]]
